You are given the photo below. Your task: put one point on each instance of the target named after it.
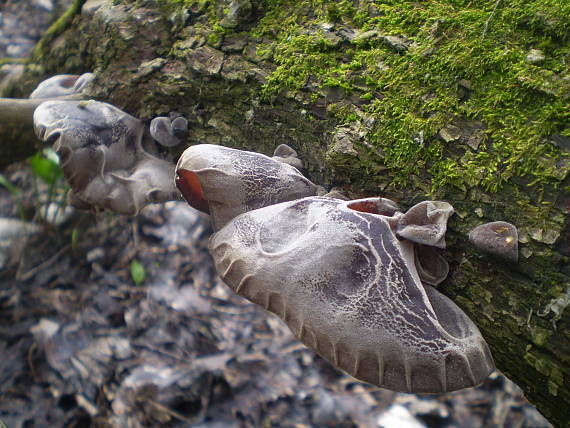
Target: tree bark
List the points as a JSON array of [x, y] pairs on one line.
[[151, 60]]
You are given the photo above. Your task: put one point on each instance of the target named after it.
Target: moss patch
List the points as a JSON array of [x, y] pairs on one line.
[[414, 66], [58, 27]]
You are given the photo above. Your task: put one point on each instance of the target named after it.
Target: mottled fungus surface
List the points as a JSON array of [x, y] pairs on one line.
[[347, 284], [106, 155], [227, 182]]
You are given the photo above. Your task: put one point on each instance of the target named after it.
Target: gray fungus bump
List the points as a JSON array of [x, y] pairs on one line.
[[284, 153], [497, 238], [63, 85], [168, 133], [344, 276], [107, 156]]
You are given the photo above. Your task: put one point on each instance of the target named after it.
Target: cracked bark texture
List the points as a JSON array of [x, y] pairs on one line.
[[151, 59]]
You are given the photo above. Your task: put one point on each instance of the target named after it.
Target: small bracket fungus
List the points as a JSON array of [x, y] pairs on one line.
[[168, 133], [497, 238], [227, 182], [344, 277], [426, 223], [62, 85], [284, 153], [106, 155]]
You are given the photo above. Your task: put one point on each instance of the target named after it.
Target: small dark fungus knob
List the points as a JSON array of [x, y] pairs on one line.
[[106, 155], [348, 286], [179, 127], [168, 133], [431, 266], [62, 85], [426, 223], [497, 238], [227, 182]]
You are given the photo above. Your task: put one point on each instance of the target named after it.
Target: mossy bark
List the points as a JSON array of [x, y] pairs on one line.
[[152, 58]]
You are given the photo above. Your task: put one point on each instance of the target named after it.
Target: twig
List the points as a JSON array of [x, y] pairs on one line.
[[21, 111], [136, 240], [486, 26], [27, 275], [31, 359], [171, 412]]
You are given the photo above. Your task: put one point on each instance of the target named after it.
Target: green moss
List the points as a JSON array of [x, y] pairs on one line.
[[539, 335], [4, 61], [58, 27], [555, 381], [544, 367], [537, 363], [200, 5], [455, 43]]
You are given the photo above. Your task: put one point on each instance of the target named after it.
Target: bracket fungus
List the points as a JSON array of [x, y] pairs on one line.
[[497, 238], [106, 155], [225, 182], [353, 280], [284, 153], [342, 275], [167, 132], [62, 85]]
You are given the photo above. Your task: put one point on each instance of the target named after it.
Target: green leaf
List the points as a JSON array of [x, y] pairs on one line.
[[51, 156], [74, 238], [137, 272], [9, 186], [45, 165]]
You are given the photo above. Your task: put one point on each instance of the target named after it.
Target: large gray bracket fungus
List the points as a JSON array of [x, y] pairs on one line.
[[226, 182], [343, 276], [107, 156]]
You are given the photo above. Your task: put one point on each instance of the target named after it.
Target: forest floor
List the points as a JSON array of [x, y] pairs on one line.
[[114, 321]]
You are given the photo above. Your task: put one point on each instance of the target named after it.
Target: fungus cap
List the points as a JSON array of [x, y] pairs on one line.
[[63, 85], [497, 238], [106, 155], [226, 182], [168, 133], [347, 286], [286, 154]]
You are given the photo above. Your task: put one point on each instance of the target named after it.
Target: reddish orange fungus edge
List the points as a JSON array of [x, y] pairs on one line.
[[189, 185]]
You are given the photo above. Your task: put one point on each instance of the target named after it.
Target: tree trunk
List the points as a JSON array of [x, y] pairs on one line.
[[378, 101]]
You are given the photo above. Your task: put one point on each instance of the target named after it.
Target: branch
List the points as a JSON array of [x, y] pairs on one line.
[[15, 111], [486, 26]]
